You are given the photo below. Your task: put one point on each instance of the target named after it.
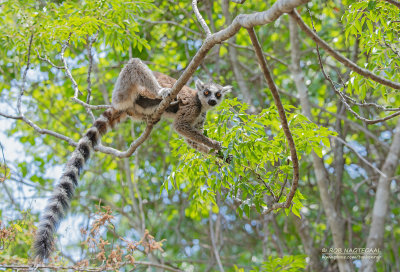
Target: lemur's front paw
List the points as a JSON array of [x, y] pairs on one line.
[[164, 92]]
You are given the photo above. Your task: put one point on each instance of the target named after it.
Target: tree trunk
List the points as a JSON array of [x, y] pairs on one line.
[[381, 205], [335, 222]]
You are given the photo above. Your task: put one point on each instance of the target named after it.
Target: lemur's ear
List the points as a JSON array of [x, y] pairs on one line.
[[226, 89], [199, 84]]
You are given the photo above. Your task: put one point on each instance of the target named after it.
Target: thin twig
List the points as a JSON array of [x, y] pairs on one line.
[[74, 84], [46, 59], [11, 116], [353, 125], [342, 96], [252, 49], [23, 81], [284, 123], [200, 18], [262, 180], [5, 165], [358, 155], [282, 189], [67, 71], [88, 80], [170, 23], [390, 47], [93, 107]]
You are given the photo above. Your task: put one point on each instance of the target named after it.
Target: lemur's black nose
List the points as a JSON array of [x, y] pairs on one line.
[[212, 102]]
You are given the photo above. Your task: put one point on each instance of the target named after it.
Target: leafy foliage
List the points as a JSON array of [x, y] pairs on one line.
[[375, 25], [287, 263], [261, 159]]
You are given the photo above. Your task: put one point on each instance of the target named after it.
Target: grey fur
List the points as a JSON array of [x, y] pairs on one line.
[[60, 200], [133, 76]]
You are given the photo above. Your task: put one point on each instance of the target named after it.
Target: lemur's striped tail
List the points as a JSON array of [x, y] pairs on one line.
[[59, 202]]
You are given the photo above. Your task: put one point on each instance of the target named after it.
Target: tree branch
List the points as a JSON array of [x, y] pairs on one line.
[[200, 18], [214, 244], [74, 84], [170, 23], [23, 81], [339, 57], [284, 123], [343, 97], [358, 155], [90, 42]]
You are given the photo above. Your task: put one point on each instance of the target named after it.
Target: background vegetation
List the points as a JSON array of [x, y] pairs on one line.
[[168, 207]]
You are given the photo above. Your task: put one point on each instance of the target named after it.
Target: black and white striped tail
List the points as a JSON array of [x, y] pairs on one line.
[[59, 202]]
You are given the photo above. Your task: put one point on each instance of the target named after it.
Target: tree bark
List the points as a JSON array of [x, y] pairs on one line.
[[302, 227], [381, 204]]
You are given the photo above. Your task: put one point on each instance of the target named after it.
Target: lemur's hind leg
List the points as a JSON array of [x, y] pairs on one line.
[[135, 79], [145, 78]]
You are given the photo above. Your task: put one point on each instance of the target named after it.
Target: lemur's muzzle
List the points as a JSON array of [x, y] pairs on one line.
[[212, 102]]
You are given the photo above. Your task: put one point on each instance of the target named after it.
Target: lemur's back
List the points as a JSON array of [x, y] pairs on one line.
[[185, 95]]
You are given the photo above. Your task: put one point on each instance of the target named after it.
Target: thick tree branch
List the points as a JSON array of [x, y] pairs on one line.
[[382, 199], [339, 57], [284, 123]]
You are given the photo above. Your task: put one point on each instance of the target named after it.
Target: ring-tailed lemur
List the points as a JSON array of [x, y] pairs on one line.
[[137, 93]]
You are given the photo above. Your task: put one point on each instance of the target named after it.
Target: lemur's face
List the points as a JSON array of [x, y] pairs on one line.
[[211, 94]]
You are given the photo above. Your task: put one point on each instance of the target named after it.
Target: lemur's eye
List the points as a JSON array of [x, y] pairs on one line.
[[218, 95], [206, 92]]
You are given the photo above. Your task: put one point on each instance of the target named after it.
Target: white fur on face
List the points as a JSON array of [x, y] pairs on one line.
[[211, 94]]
